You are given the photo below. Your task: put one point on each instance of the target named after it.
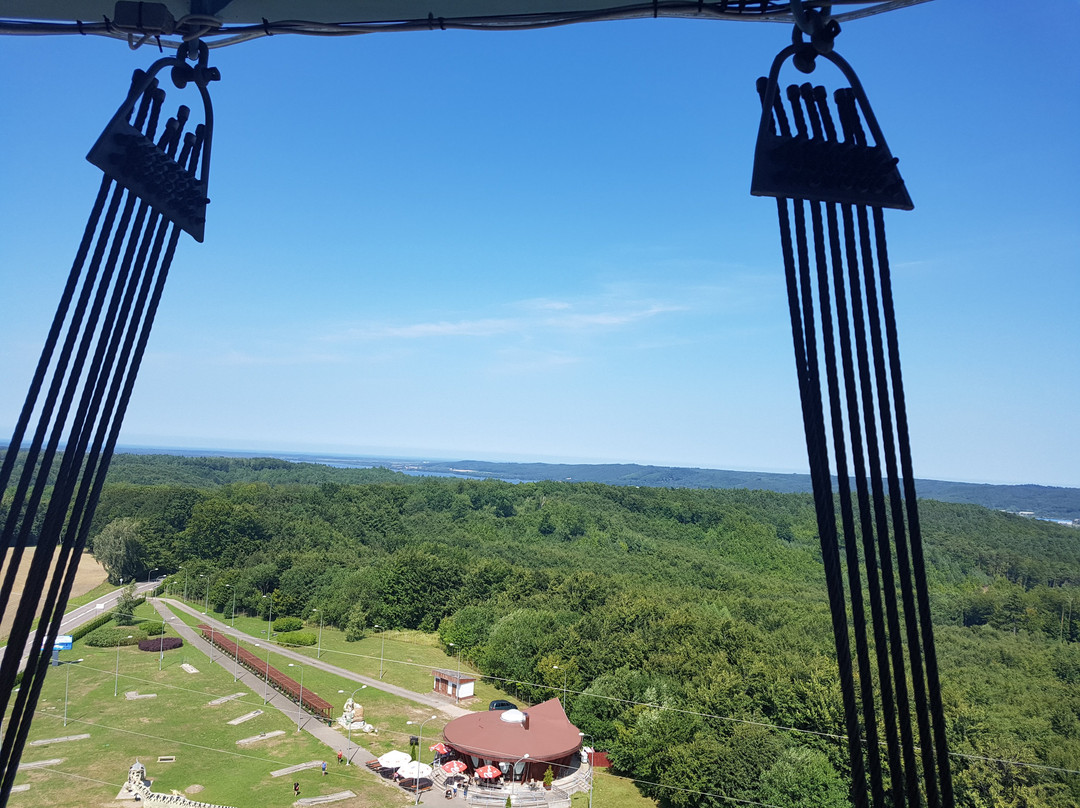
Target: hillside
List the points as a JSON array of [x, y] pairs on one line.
[[670, 617]]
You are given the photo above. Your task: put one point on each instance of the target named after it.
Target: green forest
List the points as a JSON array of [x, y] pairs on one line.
[[688, 627]]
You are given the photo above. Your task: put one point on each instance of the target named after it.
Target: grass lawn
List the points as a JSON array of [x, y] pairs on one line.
[[612, 792], [180, 722], [406, 657], [389, 713]]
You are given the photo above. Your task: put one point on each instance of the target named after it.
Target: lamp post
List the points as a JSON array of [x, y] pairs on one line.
[[516, 762], [270, 620], [457, 689], [155, 569], [562, 701], [266, 682], [185, 584], [116, 679], [318, 653], [206, 608], [300, 703], [382, 648], [592, 772], [233, 588], [67, 680], [419, 752], [161, 645], [349, 758], [236, 659]]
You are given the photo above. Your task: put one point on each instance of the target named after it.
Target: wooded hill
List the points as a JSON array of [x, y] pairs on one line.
[[691, 625], [1050, 502]]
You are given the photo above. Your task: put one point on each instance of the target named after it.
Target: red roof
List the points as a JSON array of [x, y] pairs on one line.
[[548, 735]]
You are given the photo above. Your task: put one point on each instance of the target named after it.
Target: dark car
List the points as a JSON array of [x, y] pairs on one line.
[[502, 704]]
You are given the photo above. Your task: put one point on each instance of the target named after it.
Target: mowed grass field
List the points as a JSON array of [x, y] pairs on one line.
[[179, 721], [406, 658], [90, 576]]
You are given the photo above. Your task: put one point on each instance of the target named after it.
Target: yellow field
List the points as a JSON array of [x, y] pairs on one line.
[[90, 574]]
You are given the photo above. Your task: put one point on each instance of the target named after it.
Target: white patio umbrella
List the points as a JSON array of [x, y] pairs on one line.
[[414, 768], [394, 759]]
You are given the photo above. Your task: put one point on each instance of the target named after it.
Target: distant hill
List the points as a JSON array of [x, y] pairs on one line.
[[207, 467], [1046, 502]]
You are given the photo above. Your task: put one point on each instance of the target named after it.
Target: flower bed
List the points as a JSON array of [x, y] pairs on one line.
[[160, 644]]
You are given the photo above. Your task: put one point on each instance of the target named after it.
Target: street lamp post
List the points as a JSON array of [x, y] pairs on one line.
[[206, 608], [161, 646], [382, 648], [592, 771], [300, 703], [318, 653], [266, 682], [185, 584], [67, 680], [564, 672], [516, 762], [457, 689], [233, 588], [116, 680], [236, 659], [155, 569], [347, 760], [270, 620], [419, 752]]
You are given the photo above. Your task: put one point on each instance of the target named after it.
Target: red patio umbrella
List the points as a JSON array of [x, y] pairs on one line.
[[488, 772], [456, 767], [439, 749]]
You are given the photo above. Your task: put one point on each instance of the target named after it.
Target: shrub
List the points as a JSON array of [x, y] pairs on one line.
[[96, 623], [288, 624], [160, 644], [297, 638], [153, 629], [111, 636]]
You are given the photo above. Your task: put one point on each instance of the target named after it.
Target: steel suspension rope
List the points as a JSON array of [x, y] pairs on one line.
[[151, 192], [842, 317]]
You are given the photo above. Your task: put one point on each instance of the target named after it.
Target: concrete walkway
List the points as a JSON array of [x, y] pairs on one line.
[[332, 738], [433, 700]]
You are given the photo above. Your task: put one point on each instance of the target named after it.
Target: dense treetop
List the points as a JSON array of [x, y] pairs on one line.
[[675, 615]]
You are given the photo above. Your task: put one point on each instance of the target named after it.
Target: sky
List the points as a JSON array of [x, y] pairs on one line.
[[541, 246]]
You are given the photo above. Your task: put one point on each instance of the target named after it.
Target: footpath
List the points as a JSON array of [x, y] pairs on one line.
[[332, 738], [431, 700]]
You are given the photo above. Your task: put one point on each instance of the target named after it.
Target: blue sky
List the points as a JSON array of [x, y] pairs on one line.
[[541, 245]]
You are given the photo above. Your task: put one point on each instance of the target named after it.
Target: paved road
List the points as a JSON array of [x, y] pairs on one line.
[[84, 614]]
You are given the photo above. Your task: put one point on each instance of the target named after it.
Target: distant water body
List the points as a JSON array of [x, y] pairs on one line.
[[411, 466]]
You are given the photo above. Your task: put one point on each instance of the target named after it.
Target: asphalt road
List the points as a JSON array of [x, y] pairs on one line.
[[84, 614]]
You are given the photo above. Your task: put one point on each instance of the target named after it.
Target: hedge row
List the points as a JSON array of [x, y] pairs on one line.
[[96, 623], [112, 636]]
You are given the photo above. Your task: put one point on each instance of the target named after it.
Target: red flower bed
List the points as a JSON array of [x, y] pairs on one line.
[[160, 644]]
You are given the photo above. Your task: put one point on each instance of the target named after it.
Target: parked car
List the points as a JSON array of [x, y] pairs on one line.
[[502, 704]]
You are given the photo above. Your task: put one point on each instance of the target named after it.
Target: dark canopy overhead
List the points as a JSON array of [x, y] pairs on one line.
[[228, 21]]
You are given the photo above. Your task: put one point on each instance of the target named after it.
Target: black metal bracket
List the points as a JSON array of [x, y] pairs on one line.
[[148, 169], [798, 166]]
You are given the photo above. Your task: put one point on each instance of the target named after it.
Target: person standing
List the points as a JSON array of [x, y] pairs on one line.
[[296, 789], [340, 756], [324, 768]]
